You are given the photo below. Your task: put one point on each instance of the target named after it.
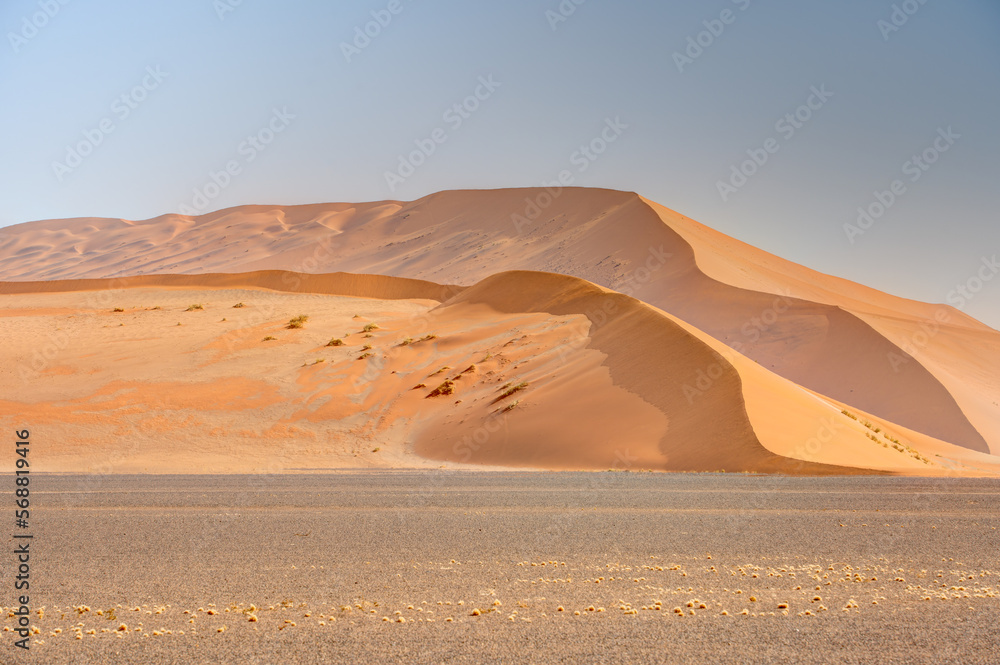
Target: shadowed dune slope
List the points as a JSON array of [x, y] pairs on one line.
[[957, 351], [542, 371], [830, 335], [651, 356], [731, 261]]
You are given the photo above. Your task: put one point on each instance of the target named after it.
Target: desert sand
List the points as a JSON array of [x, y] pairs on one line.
[[645, 340], [576, 329], [210, 374]]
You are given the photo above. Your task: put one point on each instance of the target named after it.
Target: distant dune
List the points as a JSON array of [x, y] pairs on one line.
[[343, 284], [646, 339]]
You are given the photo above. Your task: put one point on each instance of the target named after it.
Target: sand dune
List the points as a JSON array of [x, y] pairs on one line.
[[831, 336], [522, 369], [741, 412], [643, 352], [344, 284]]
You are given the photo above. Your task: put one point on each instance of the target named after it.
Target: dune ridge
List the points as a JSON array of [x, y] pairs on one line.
[[829, 335], [649, 354], [345, 284], [608, 381], [747, 417]]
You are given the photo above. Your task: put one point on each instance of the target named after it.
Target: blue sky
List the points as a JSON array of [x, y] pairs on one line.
[[162, 95]]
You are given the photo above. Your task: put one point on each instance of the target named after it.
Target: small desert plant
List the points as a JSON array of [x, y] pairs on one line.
[[318, 361], [119, 309], [419, 385], [849, 414], [446, 388], [336, 341], [238, 305], [467, 370], [365, 355], [157, 307], [376, 449], [370, 327], [356, 316], [513, 389], [194, 307], [427, 338], [298, 321], [366, 347], [510, 407], [486, 357], [406, 342], [269, 338], [443, 369]]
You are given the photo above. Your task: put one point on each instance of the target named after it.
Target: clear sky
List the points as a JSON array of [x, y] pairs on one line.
[[119, 108]]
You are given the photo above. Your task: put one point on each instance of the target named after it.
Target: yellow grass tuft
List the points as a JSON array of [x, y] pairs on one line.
[[510, 390], [446, 388]]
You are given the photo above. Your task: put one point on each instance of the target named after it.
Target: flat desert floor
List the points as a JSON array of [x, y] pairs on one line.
[[483, 567]]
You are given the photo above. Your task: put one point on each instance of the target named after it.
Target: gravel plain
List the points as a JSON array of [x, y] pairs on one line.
[[510, 567]]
